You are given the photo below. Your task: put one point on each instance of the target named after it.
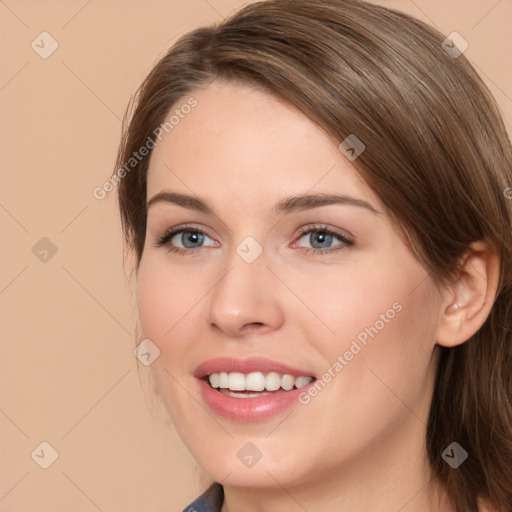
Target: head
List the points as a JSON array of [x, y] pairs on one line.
[[411, 294]]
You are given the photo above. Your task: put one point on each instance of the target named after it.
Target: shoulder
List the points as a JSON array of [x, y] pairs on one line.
[[210, 501]]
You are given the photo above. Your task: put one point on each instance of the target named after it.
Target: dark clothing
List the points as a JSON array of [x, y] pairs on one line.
[[210, 501]]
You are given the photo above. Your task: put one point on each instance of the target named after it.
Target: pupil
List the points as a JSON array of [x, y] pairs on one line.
[[195, 237], [320, 237]]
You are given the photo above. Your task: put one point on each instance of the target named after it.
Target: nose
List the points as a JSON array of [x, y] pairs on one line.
[[246, 299]]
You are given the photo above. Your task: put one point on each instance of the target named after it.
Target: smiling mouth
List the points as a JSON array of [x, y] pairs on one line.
[[255, 384]]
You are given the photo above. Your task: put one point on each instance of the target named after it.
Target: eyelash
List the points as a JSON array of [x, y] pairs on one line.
[[170, 234]]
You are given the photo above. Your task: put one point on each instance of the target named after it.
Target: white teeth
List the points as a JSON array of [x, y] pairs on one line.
[[236, 381], [288, 381], [300, 382], [273, 381], [214, 380], [223, 380], [256, 381]]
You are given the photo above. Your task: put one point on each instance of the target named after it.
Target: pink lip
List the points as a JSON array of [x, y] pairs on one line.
[[248, 409]]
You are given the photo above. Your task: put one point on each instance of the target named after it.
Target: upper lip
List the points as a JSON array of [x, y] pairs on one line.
[[247, 365]]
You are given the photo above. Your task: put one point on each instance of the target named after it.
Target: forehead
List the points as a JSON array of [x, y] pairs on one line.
[[241, 141]]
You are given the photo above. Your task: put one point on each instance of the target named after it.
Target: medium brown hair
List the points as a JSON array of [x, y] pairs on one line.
[[437, 155]]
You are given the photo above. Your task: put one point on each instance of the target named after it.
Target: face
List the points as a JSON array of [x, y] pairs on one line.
[[257, 283]]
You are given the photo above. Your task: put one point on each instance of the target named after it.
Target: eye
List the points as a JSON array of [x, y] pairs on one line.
[[186, 239], [183, 240], [324, 240]]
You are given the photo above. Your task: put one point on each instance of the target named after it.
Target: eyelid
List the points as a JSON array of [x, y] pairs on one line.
[[343, 234]]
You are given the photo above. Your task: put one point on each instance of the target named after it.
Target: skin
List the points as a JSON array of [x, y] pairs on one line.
[[358, 444]]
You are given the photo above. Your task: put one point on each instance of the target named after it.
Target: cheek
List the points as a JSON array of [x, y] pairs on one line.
[[152, 301], [376, 321], [165, 300], [350, 301], [386, 360]]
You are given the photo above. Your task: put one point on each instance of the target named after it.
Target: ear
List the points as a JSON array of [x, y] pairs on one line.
[[466, 303]]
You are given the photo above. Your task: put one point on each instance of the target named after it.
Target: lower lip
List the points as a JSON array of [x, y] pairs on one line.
[[249, 409]]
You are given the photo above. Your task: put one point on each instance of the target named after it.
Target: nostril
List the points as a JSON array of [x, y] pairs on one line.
[[252, 325]]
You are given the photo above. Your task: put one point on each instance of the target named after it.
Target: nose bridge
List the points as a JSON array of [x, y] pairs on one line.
[[245, 295]]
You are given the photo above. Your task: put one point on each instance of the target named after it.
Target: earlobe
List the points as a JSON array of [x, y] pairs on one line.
[[468, 300]]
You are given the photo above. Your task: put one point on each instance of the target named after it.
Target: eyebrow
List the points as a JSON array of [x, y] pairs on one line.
[[284, 206]]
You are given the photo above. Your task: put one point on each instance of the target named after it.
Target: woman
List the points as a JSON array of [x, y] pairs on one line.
[[318, 200]]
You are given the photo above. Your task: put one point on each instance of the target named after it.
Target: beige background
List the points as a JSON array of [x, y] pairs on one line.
[[68, 374]]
